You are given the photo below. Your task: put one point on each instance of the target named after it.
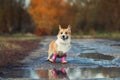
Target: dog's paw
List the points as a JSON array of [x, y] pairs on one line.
[[51, 60], [47, 59], [64, 62]]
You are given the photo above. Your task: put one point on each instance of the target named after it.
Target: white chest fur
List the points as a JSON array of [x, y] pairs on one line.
[[64, 47]]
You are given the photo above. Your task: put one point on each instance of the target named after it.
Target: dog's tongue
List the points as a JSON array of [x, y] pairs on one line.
[[64, 39]]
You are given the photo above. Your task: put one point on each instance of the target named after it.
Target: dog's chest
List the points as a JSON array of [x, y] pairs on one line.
[[64, 47]]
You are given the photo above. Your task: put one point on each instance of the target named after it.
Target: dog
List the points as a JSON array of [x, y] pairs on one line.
[[60, 46]]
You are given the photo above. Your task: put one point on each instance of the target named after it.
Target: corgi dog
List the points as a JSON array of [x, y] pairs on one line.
[[60, 46]]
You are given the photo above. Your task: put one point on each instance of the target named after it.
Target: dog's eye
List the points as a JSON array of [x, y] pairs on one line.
[[66, 33], [61, 33]]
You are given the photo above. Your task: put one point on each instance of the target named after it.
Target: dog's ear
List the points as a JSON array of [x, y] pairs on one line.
[[69, 27], [60, 27]]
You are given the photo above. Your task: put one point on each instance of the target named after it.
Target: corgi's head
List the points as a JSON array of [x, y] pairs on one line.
[[64, 33]]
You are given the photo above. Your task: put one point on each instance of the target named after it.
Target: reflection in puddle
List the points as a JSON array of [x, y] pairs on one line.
[[53, 74], [19, 73], [64, 73]]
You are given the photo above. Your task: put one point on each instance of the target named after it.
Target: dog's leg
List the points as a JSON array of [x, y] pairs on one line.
[[49, 55], [63, 60], [53, 58]]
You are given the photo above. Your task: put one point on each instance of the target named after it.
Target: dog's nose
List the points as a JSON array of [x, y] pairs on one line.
[[63, 36]]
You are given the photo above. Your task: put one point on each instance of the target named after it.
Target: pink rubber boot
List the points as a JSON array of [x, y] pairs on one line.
[[64, 58], [53, 58], [54, 72], [63, 70]]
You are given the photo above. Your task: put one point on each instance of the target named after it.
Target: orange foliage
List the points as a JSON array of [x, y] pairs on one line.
[[46, 14], [42, 31]]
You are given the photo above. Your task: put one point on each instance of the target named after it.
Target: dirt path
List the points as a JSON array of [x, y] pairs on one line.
[[92, 56], [15, 51]]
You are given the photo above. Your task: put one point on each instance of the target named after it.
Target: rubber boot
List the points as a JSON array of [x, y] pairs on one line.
[[54, 72], [63, 60], [63, 70], [53, 58]]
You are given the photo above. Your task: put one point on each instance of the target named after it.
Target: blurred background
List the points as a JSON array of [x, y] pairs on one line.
[[27, 26], [42, 17]]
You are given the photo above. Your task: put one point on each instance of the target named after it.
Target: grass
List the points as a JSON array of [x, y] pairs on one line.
[[5, 44], [18, 37], [108, 35]]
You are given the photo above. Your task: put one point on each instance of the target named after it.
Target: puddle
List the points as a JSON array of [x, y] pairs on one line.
[[96, 56], [117, 45], [63, 73], [85, 66]]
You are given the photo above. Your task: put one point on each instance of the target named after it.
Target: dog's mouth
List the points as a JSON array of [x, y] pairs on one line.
[[64, 37]]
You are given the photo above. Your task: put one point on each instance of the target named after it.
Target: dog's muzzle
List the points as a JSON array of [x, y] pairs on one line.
[[64, 37]]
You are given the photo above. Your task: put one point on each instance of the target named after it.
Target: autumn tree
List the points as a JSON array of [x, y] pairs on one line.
[[97, 15], [48, 14], [13, 17], [109, 15]]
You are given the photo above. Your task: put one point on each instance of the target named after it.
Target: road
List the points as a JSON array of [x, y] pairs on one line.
[[87, 59]]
